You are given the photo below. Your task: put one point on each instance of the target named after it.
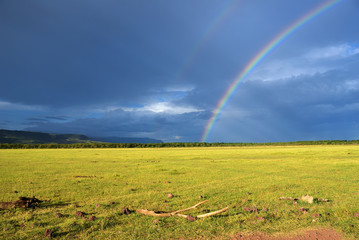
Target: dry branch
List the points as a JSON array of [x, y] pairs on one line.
[[213, 213], [177, 213]]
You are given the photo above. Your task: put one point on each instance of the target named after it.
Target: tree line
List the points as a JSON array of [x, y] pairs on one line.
[[165, 145]]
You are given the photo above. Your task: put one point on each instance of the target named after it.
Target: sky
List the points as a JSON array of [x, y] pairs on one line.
[[159, 68]]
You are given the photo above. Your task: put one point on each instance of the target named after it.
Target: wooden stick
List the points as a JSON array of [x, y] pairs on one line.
[[177, 213], [153, 213], [213, 213], [193, 207]]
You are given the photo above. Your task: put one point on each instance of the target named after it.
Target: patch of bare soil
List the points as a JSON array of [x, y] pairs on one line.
[[317, 234]]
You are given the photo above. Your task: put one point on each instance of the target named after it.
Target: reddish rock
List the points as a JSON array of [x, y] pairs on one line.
[[190, 218], [48, 233], [261, 219], [315, 215], [356, 215], [125, 211], [170, 195], [250, 209], [304, 210], [80, 214], [200, 196]]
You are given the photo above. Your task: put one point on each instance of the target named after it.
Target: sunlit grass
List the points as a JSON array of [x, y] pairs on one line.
[[236, 177]]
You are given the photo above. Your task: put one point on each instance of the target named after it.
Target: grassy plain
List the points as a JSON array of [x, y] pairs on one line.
[[236, 177]]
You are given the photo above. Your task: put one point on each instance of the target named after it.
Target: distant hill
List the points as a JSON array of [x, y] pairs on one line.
[[125, 140], [25, 137]]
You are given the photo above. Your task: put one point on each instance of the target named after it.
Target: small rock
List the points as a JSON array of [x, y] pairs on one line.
[[75, 218], [304, 210], [48, 233], [308, 199], [59, 215], [170, 195], [80, 214], [250, 209], [315, 215], [356, 215], [190, 218], [92, 218], [261, 219], [295, 202], [316, 219], [200, 196], [125, 211]]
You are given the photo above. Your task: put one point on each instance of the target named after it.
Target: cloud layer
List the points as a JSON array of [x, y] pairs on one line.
[[157, 69]]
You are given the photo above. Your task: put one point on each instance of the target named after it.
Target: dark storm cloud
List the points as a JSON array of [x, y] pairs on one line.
[[321, 106], [168, 63], [60, 118], [167, 127]]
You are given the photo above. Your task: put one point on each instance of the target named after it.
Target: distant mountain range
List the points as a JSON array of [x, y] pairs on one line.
[[25, 137]]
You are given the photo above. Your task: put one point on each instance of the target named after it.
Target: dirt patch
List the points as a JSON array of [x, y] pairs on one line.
[[316, 234], [23, 202]]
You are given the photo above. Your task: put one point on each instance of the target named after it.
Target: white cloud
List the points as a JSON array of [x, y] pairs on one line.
[[333, 52], [164, 107], [315, 61]]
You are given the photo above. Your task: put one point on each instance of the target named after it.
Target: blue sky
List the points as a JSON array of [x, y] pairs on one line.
[[158, 68]]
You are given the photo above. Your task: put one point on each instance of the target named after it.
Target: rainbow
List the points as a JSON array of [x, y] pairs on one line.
[[209, 30], [260, 56]]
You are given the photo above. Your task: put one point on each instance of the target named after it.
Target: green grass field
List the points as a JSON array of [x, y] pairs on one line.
[[236, 177]]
